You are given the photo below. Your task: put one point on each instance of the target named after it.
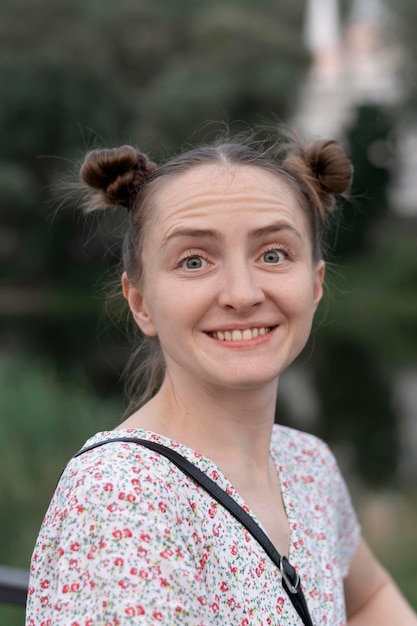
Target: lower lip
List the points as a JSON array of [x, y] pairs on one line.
[[245, 343]]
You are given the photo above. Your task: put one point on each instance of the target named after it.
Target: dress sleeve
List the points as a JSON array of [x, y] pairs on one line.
[[112, 549], [344, 518]]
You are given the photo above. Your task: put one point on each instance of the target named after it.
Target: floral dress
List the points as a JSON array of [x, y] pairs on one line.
[[129, 539]]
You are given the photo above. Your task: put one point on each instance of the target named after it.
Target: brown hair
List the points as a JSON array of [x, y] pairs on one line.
[[125, 177]]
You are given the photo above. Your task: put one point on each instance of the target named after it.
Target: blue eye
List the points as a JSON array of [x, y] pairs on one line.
[[193, 263], [273, 256]]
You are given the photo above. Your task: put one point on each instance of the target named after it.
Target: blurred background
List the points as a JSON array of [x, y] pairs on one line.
[[77, 74]]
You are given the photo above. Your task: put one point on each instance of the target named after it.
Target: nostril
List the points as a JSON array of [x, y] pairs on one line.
[[241, 298]]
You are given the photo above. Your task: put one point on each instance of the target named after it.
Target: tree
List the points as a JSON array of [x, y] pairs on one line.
[[77, 74]]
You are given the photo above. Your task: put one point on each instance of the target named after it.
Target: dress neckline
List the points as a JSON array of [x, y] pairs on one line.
[[209, 467]]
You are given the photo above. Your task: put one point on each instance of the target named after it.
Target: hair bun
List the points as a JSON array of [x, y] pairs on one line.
[[331, 165], [117, 175], [325, 170]]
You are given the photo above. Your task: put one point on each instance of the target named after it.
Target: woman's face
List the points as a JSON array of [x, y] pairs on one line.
[[229, 282]]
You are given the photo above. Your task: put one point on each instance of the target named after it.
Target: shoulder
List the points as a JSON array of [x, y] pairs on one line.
[[311, 468], [291, 442], [304, 455], [115, 471]]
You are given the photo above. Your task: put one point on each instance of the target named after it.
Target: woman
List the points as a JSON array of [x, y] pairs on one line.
[[223, 274]]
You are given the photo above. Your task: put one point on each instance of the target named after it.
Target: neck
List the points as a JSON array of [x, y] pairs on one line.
[[230, 426]]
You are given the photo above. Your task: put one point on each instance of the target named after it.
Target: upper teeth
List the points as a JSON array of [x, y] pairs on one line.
[[239, 335]]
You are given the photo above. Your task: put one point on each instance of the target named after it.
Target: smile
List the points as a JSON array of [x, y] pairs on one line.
[[240, 335]]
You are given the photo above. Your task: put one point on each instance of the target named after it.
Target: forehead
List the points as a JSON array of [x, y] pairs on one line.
[[213, 191]]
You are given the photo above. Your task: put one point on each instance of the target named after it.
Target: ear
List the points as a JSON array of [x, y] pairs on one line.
[[141, 315], [319, 272]]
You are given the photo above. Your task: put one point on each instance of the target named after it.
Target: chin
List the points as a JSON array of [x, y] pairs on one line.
[[248, 382]]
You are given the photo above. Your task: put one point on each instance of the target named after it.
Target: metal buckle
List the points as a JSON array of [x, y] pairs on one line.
[[292, 588]]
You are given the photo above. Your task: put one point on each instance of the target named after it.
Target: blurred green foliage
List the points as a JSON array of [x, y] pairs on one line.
[[381, 514], [369, 329], [46, 418]]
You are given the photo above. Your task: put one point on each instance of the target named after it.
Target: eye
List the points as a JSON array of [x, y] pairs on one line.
[[193, 262], [273, 256]]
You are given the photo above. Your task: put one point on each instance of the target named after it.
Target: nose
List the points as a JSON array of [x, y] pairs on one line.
[[240, 289]]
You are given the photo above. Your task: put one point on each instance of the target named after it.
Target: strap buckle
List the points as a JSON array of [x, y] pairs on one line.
[[292, 587]]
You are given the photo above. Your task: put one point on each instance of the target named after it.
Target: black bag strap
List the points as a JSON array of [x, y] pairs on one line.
[[290, 578]]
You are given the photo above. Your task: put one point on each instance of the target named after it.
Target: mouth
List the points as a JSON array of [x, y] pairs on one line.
[[241, 335]]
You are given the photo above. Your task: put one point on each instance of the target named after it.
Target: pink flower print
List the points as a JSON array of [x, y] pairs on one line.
[[307, 479], [309, 453], [130, 611], [124, 583], [117, 534], [157, 615], [167, 553]]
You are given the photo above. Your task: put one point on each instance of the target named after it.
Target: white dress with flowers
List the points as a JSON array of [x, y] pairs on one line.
[[129, 539]]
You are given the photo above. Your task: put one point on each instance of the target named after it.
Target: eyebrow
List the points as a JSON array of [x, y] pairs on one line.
[[216, 235], [206, 233], [273, 228]]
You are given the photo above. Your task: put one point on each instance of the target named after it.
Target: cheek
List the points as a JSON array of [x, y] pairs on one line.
[[300, 296], [164, 304]]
